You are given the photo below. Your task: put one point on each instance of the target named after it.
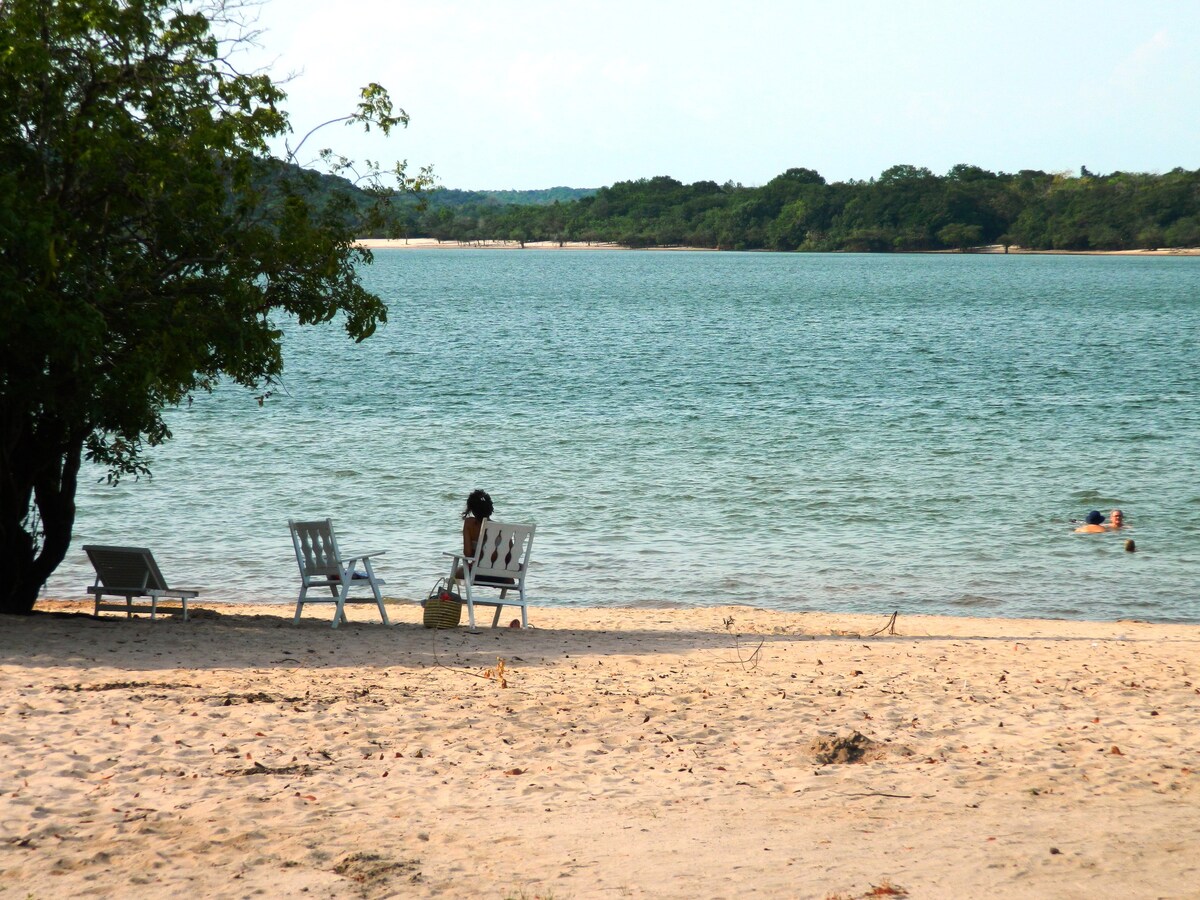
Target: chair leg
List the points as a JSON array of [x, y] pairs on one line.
[[375, 590], [340, 612], [470, 609], [300, 604], [379, 603], [499, 608]]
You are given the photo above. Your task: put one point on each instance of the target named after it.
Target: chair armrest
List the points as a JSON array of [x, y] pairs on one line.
[[181, 593], [348, 558], [454, 555]]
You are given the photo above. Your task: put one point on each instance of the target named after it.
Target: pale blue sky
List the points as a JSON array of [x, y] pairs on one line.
[[535, 94]]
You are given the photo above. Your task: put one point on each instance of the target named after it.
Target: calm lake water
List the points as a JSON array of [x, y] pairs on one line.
[[838, 432]]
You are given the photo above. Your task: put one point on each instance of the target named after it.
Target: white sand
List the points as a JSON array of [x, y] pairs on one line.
[[433, 244], [633, 753], [1017, 251]]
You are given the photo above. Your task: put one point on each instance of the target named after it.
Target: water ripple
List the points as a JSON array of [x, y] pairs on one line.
[[852, 433]]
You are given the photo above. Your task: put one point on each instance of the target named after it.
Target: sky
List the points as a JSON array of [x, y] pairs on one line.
[[531, 94]]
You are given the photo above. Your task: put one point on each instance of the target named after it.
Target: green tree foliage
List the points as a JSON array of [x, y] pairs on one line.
[[449, 214], [960, 236], [906, 208], [147, 240]]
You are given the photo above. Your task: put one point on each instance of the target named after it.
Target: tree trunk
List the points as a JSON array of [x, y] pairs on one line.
[[49, 479]]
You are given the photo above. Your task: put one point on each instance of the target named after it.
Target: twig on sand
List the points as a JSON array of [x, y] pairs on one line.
[[880, 794], [749, 663], [889, 627], [496, 674]]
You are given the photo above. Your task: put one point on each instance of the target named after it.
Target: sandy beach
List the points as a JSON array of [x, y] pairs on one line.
[[433, 244], [721, 752], [1018, 251]]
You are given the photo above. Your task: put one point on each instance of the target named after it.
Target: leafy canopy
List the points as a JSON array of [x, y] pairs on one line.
[[142, 256], [906, 208], [148, 240]]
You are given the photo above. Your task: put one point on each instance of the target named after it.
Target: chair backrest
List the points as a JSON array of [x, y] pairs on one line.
[[503, 550], [131, 568], [316, 547]]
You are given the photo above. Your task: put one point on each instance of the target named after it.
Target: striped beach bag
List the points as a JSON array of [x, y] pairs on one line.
[[443, 606]]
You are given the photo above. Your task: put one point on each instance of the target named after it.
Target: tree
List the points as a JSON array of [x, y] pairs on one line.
[[967, 172], [147, 240], [901, 173], [907, 208], [960, 236], [1184, 233]]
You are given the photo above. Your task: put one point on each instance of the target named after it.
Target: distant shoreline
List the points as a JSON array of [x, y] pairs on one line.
[[993, 249], [1021, 251], [433, 244]]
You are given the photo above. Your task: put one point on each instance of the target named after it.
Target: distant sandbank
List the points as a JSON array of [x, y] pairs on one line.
[[434, 244], [1014, 250]]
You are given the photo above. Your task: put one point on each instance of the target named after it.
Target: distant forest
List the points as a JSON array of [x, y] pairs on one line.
[[906, 208]]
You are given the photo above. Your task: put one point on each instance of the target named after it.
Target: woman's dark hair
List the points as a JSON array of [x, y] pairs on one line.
[[479, 505]]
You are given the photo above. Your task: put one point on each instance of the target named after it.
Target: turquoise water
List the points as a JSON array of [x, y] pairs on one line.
[[835, 432]]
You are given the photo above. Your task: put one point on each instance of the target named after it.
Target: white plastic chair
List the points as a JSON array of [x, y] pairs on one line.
[[500, 562], [322, 565], [132, 572]]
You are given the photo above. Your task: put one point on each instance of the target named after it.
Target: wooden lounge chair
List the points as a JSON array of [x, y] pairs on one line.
[[501, 562], [322, 565], [131, 572]]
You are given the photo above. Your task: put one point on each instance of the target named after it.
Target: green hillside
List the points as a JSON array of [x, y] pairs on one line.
[[906, 208]]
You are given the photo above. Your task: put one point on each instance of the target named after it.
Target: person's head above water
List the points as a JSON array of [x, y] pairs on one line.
[[1095, 517], [1116, 518], [479, 505]]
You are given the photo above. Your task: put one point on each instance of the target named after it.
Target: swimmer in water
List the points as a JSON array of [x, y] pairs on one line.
[[1093, 524]]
